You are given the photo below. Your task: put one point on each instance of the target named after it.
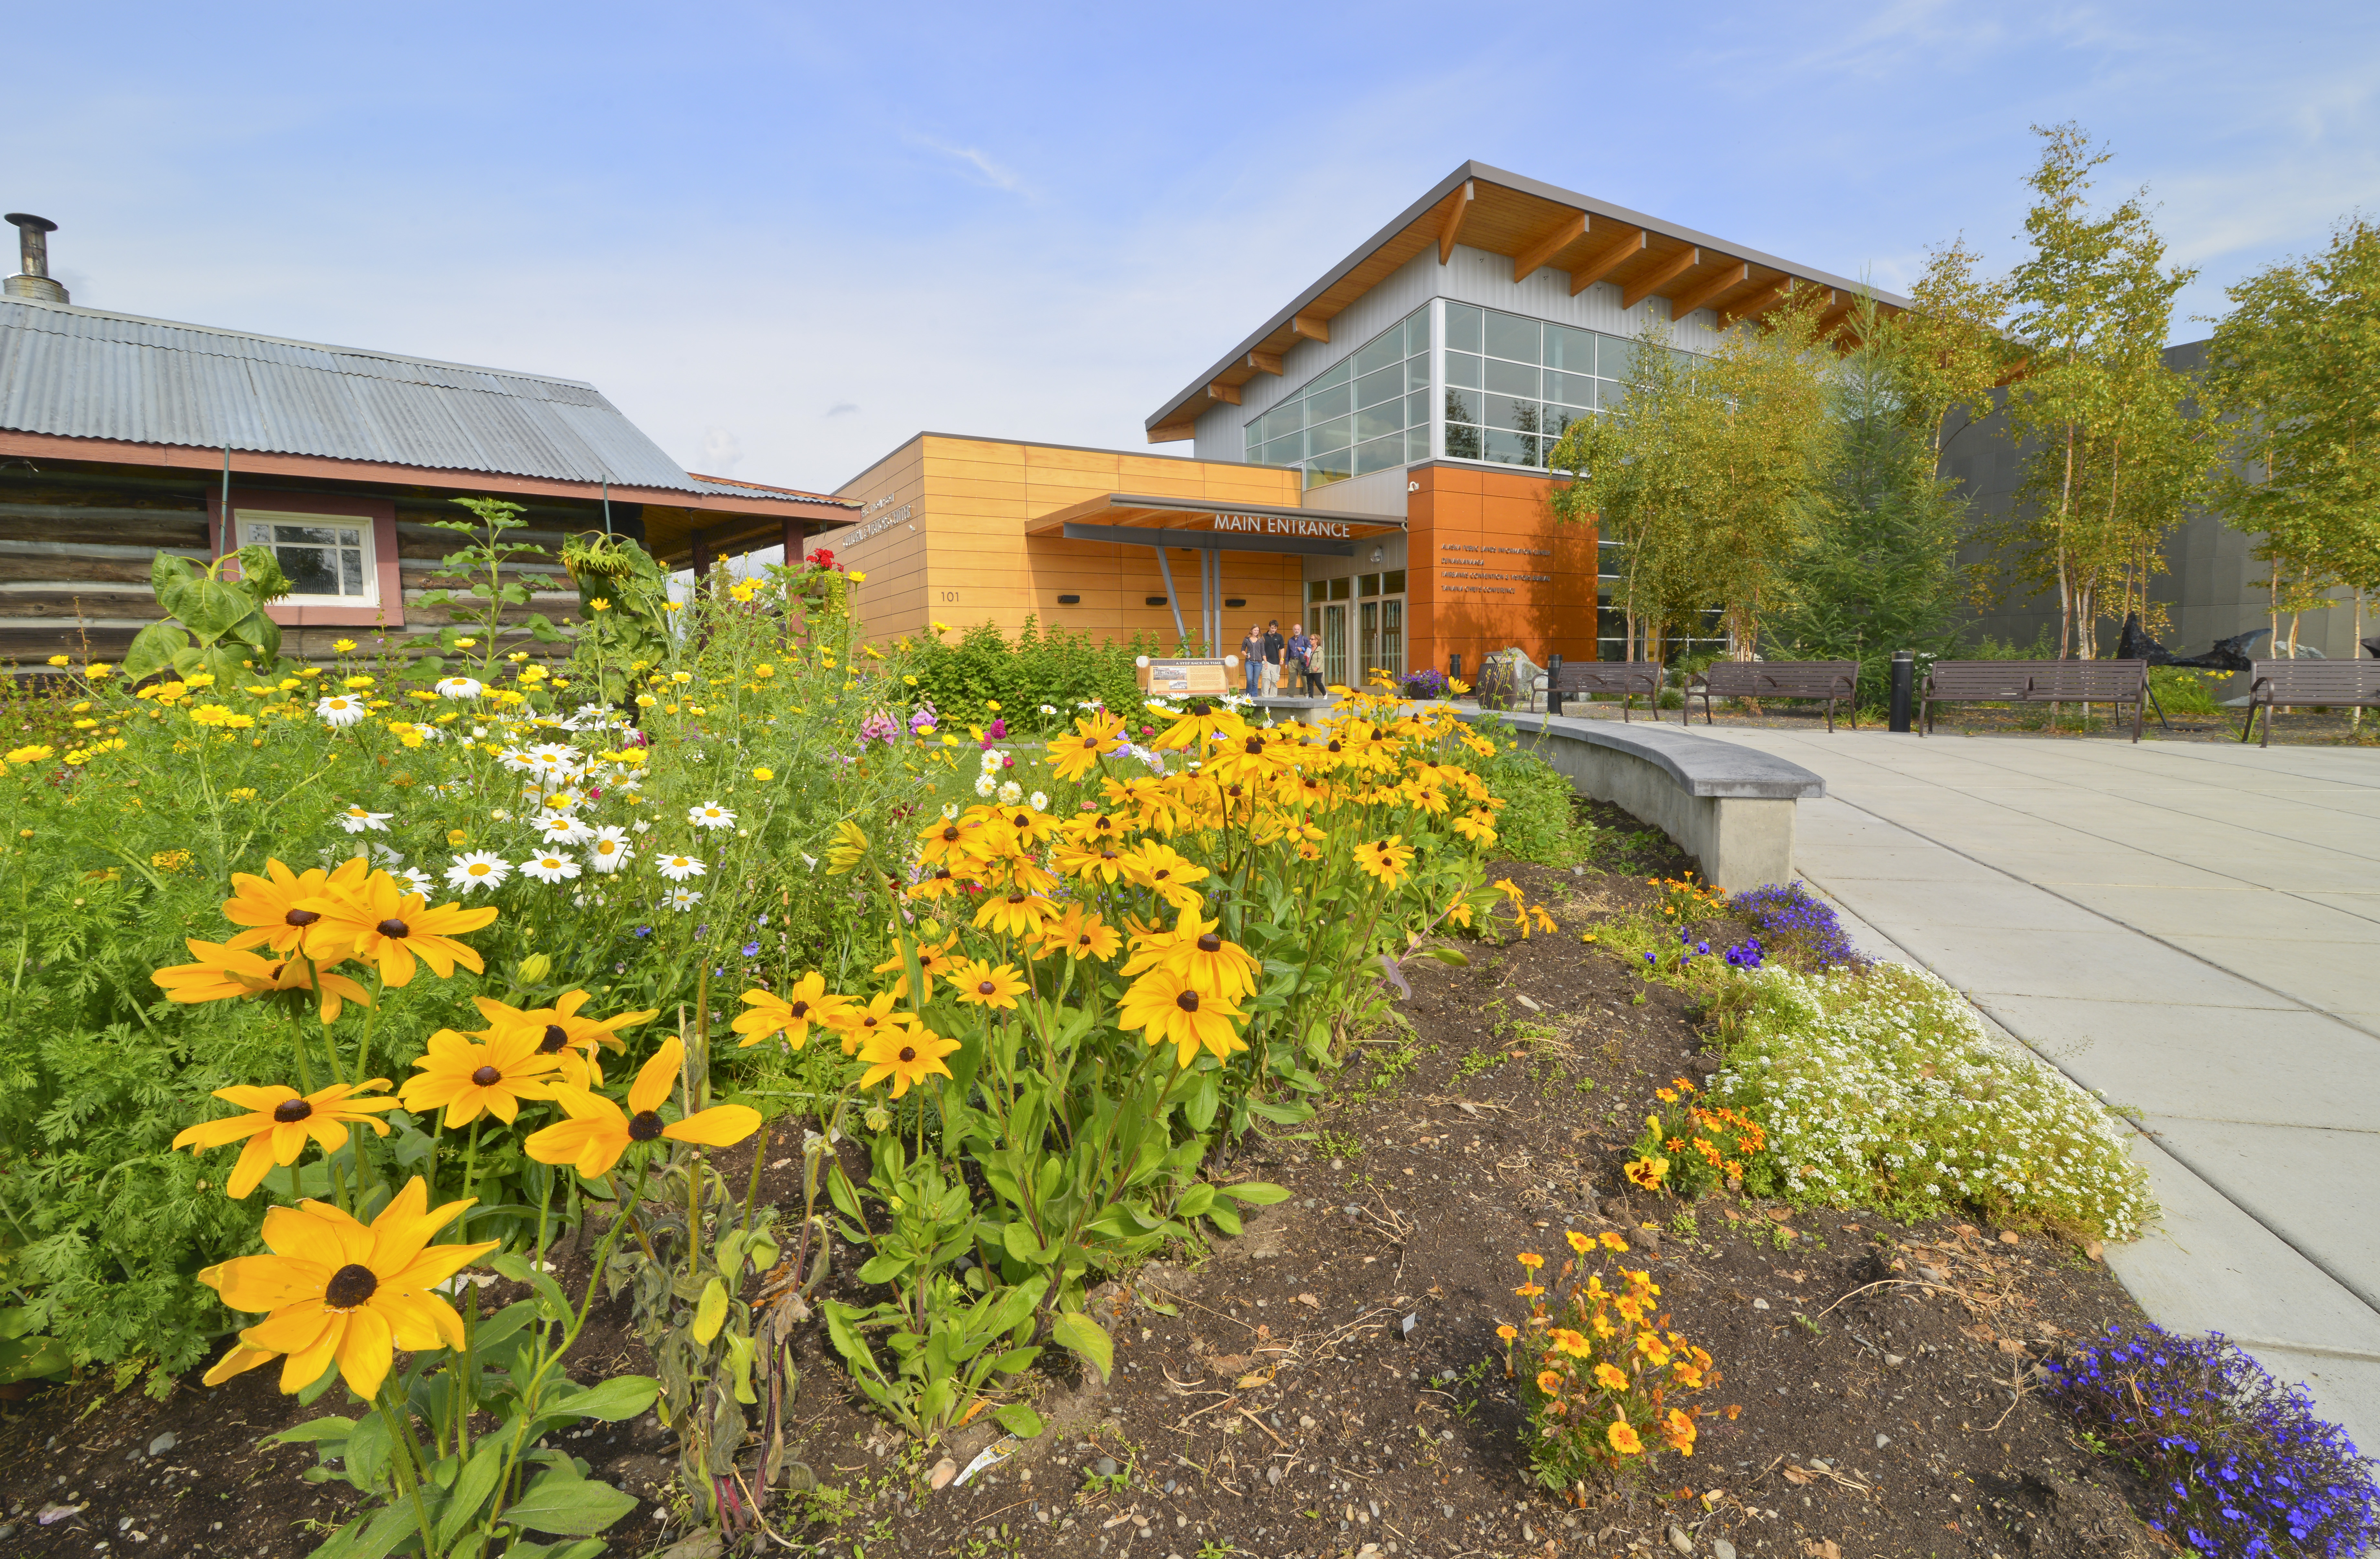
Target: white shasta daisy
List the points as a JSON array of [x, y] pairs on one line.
[[608, 849], [550, 866], [341, 709], [357, 820], [458, 687], [479, 868], [711, 814], [677, 868]]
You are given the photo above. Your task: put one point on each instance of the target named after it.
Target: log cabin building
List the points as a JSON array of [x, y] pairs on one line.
[[120, 436]]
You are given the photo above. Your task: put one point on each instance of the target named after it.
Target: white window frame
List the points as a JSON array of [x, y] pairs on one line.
[[244, 518]]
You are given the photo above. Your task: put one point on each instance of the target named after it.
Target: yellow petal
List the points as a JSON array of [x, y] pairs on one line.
[[717, 1127], [258, 1283], [305, 1366], [238, 1361], [365, 1351], [654, 1081], [434, 1266]]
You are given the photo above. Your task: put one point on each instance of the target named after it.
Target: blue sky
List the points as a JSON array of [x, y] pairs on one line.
[[783, 238]]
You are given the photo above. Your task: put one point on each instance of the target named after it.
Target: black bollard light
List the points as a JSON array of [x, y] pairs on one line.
[[1553, 685], [1905, 687]]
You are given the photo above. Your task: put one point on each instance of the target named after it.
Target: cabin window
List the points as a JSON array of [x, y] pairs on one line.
[[329, 558]]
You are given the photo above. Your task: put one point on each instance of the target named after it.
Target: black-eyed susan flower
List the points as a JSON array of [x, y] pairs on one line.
[[465, 1078], [859, 1024], [341, 1292], [1168, 1010], [599, 1131], [280, 1121], [933, 958], [273, 906], [223, 973], [565, 1033], [1387, 859], [1166, 871], [978, 983], [1074, 753], [792, 1014], [906, 1055], [1018, 912], [1199, 721], [378, 922], [1079, 933]]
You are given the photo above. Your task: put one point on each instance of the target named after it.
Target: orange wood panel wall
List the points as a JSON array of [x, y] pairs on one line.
[[961, 555], [1488, 566]]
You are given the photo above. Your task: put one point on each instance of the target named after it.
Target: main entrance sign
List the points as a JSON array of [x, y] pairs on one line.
[[1282, 525]]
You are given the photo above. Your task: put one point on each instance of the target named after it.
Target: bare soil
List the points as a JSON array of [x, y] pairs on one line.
[[1330, 1381]]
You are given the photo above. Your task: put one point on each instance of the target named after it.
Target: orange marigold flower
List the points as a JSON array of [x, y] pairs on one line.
[[1623, 1439], [1609, 1378], [1679, 1429], [1548, 1382], [1580, 1243]]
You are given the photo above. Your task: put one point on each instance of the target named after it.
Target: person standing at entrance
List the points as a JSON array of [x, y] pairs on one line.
[[1274, 644], [1300, 659], [1252, 651]]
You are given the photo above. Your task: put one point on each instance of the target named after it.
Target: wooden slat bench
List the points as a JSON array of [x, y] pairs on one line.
[[1630, 679], [2115, 682], [1829, 680], [2323, 684]]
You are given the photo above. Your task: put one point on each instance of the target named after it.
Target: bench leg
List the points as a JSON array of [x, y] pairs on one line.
[[2268, 725]]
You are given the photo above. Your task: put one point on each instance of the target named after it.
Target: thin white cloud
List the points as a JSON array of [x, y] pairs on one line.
[[721, 450], [843, 408], [986, 171]]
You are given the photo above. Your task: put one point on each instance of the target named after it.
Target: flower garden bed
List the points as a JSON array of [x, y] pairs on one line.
[[1488, 1129]]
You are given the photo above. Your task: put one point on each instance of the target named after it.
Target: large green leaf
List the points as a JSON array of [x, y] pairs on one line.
[[1086, 1337], [1254, 1193], [316, 1431], [619, 1398], [152, 650], [472, 1486], [568, 1507], [1019, 1419]]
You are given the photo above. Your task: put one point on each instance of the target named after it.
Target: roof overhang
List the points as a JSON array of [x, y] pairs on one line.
[[1138, 520], [1537, 225]]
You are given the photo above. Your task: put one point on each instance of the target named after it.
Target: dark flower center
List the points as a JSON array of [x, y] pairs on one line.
[[950, 835], [867, 1023], [1103, 823], [1333, 747], [801, 1009], [1187, 1001], [908, 1054], [1211, 943], [350, 1287], [393, 927], [1018, 898], [1109, 855], [1200, 709], [644, 1126], [1161, 873], [301, 917], [1233, 792], [1025, 819], [1254, 746], [289, 1111], [487, 1076], [985, 987], [557, 1036]]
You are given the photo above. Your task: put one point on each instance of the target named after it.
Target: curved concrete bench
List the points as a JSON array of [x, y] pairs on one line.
[[1730, 807]]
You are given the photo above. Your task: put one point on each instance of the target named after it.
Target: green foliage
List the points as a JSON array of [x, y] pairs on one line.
[[217, 624], [1539, 821], [623, 612], [1052, 668], [479, 591]]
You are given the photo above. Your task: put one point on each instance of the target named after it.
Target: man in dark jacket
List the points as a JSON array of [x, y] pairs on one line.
[[1274, 643]]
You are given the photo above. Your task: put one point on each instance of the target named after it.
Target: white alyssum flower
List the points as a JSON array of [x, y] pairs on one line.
[[677, 868], [711, 814], [609, 850], [340, 708], [682, 900], [550, 866], [357, 820], [479, 868], [458, 687]]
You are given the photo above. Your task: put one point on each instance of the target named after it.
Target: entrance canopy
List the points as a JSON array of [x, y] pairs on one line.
[[1201, 525]]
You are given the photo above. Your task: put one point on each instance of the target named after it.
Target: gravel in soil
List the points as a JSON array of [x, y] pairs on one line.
[[1330, 1381]]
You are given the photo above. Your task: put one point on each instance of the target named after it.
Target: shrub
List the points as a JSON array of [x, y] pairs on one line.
[[985, 675], [2237, 1464], [1689, 1147], [1799, 926], [1598, 1376], [1881, 1087], [1539, 821]]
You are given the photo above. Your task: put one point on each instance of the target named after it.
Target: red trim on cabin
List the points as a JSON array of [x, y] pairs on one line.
[[380, 512]]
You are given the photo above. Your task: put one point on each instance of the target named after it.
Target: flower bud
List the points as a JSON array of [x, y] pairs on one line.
[[532, 970]]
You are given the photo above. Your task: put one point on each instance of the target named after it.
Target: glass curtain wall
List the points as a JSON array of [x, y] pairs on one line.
[[1367, 412], [1513, 384]]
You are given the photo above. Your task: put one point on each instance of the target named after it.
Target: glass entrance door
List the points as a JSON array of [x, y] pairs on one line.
[[1368, 638], [1381, 633], [1334, 645]]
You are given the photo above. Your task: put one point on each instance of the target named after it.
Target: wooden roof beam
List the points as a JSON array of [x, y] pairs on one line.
[[1757, 303], [1450, 220], [1660, 276], [1626, 246], [1535, 257], [1265, 362], [1173, 432], [1228, 393], [1726, 279], [1312, 327]]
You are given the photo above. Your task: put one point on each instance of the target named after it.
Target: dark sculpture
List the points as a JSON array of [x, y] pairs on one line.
[[2371, 648], [2228, 654]]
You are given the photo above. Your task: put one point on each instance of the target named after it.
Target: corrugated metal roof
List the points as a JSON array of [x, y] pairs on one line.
[[762, 490], [86, 374]]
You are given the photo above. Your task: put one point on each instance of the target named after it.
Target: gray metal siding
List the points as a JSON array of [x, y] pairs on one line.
[[1476, 276], [81, 373]]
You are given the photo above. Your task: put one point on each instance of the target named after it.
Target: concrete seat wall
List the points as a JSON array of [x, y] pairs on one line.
[[1728, 807]]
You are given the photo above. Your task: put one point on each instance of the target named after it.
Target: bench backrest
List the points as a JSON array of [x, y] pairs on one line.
[[1784, 680], [2315, 682], [2088, 681], [1608, 677], [1979, 679]]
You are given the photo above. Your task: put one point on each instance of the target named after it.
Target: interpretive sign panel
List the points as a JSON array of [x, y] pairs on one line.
[[1182, 678]]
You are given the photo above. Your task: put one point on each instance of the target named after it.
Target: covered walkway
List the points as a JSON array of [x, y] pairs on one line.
[[2192, 930]]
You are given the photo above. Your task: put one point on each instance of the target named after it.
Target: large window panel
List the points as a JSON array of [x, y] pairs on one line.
[[1512, 378], [1380, 454], [1466, 327], [1462, 368], [1519, 415], [1386, 384], [1364, 400], [1464, 406], [1336, 434], [1378, 421], [1569, 349], [1510, 336], [1511, 450], [1573, 389]]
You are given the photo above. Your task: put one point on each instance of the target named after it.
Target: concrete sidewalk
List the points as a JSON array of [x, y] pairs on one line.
[[2193, 930]]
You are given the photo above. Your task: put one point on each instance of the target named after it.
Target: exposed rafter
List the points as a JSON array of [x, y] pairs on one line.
[[1832, 320], [1754, 304], [1726, 278], [1173, 432], [1660, 276], [1627, 246], [1313, 327], [1535, 257], [1450, 220], [1265, 362], [1222, 392]]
